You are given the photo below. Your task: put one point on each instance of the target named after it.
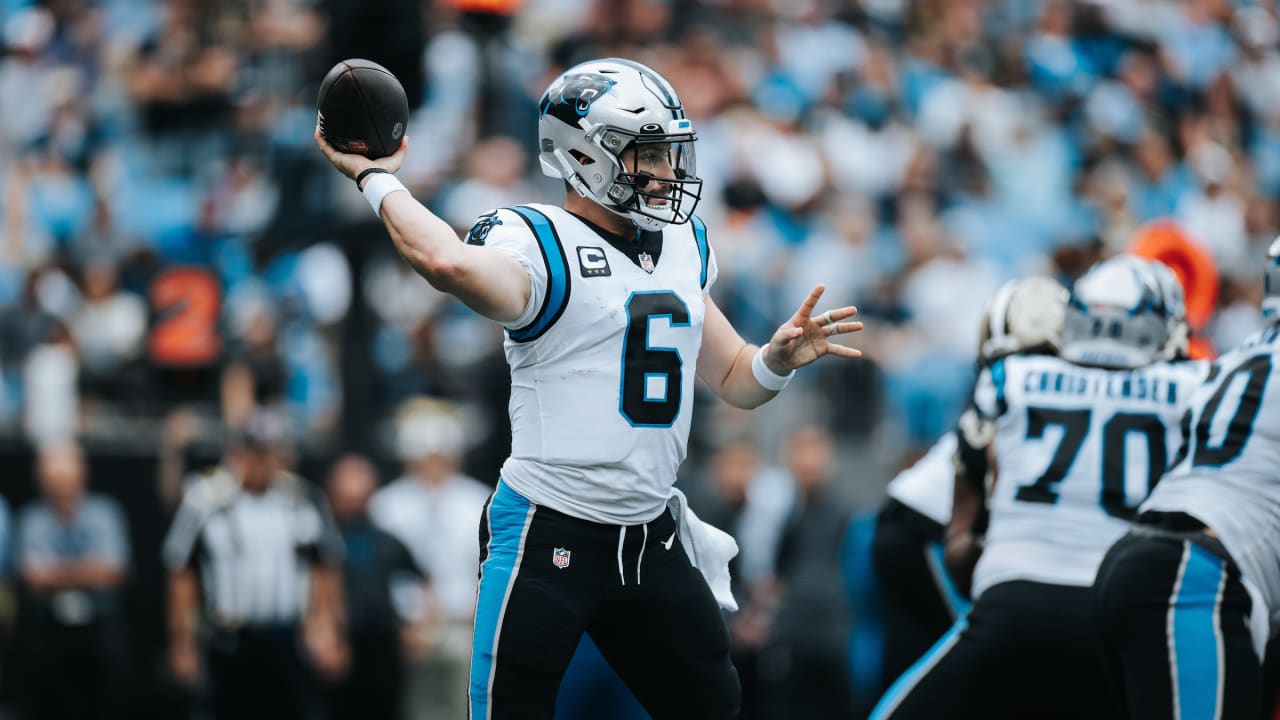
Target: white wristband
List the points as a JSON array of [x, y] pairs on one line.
[[767, 378], [378, 187]]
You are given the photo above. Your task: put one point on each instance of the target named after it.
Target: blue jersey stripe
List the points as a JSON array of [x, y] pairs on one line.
[[509, 515], [903, 686], [704, 251], [557, 263], [1197, 657], [935, 557], [997, 379]]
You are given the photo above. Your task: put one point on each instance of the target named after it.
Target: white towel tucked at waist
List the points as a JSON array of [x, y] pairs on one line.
[[710, 549]]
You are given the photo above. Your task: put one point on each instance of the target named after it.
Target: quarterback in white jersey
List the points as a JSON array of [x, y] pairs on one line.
[[608, 319], [1078, 443], [601, 386], [1190, 595]]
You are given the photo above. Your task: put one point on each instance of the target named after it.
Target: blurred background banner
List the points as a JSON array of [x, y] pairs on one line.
[[176, 257]]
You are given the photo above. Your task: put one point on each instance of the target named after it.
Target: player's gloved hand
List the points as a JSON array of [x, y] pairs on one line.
[[352, 165], [804, 338]]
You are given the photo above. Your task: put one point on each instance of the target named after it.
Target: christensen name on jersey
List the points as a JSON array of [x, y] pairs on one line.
[[1115, 385]]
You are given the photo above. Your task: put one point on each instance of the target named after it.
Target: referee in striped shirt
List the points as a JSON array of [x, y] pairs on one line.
[[259, 546]]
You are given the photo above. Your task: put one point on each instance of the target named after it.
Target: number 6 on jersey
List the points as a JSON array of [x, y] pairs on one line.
[[651, 375]]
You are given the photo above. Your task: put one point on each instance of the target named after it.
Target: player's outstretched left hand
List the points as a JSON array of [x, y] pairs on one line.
[[805, 338]]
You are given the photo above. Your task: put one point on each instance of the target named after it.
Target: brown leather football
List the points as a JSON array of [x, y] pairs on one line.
[[362, 109]]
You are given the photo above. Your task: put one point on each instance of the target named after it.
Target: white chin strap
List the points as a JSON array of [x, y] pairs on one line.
[[648, 223], [644, 222]]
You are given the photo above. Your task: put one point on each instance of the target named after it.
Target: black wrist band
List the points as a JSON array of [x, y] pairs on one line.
[[366, 173]]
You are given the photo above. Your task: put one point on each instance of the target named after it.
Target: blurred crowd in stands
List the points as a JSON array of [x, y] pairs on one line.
[[175, 259]]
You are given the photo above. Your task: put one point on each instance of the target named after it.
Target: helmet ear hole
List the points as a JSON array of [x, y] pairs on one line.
[[581, 157]]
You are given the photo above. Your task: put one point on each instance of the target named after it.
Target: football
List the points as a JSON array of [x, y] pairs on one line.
[[362, 109]]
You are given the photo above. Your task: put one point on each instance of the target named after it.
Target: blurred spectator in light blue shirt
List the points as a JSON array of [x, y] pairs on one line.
[[72, 558]]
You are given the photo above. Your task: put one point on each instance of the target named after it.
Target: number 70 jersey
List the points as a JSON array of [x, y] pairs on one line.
[[1076, 450], [602, 363]]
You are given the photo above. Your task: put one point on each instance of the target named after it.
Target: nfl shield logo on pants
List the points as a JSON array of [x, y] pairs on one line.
[[560, 557]]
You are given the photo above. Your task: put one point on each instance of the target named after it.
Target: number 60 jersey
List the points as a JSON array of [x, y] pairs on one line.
[[1228, 474], [1076, 450], [602, 361]]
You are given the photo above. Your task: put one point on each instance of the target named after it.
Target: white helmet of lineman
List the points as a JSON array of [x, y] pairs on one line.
[[1117, 316], [598, 119], [1023, 316], [1271, 284], [1177, 347]]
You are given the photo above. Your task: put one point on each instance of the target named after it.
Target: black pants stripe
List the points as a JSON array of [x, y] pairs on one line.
[[546, 578], [1174, 617], [1025, 650]]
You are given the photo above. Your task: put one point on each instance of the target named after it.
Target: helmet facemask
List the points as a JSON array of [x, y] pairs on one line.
[[657, 182]]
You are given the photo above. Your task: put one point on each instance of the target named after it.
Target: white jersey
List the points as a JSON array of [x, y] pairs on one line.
[[927, 487], [1076, 450], [602, 362], [1228, 475]]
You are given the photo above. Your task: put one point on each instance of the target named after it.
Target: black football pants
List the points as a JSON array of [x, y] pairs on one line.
[[1025, 650], [1174, 617], [546, 578]]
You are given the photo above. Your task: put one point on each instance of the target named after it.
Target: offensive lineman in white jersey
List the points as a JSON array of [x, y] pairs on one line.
[[1188, 598], [607, 314], [920, 599], [1079, 441]]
